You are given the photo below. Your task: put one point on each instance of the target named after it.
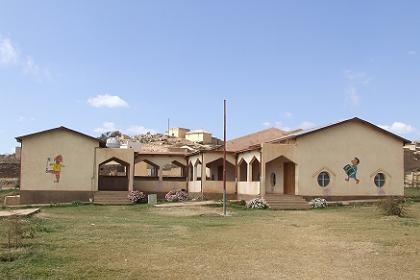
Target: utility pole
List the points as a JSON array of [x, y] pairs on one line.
[[224, 162], [168, 128]]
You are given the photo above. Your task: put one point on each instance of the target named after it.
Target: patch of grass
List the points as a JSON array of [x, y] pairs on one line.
[[413, 194], [141, 242], [4, 193], [393, 207]]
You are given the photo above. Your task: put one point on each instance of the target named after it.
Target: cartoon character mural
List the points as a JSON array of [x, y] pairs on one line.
[[55, 167], [351, 170]]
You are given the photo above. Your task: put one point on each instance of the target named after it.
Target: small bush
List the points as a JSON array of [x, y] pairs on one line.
[[137, 197], [174, 196], [394, 207], [257, 203], [319, 203], [76, 203]]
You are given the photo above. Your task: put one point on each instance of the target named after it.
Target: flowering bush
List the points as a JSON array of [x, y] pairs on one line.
[[319, 203], [174, 195], [137, 197], [257, 203]]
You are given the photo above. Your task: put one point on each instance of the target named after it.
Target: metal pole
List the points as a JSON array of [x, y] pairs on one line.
[[224, 163]]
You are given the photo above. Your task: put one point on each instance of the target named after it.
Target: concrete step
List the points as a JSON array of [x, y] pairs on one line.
[[286, 202], [111, 198]]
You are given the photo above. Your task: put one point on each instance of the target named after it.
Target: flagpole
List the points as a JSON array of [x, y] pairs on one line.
[[224, 162]]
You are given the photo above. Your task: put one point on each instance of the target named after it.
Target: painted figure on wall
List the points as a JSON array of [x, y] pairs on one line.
[[351, 170], [55, 167]]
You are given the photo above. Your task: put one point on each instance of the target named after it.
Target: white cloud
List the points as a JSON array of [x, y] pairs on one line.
[[399, 128], [303, 125], [106, 126], [8, 53], [24, 118], [278, 125], [10, 56], [411, 52], [131, 130], [354, 96], [106, 100], [30, 68], [137, 129], [355, 81], [306, 125], [288, 115], [357, 77]]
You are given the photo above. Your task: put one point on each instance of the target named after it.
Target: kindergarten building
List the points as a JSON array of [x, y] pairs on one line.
[[346, 160]]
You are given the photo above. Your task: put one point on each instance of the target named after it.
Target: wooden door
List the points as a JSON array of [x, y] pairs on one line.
[[289, 178]]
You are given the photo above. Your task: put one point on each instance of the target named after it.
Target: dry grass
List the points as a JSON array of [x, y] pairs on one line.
[[6, 192], [136, 242]]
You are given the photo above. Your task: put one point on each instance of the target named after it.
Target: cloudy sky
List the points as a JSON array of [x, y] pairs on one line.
[[130, 65]]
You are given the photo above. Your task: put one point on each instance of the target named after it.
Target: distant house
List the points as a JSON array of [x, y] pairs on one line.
[[178, 132], [350, 159], [199, 136], [412, 164]]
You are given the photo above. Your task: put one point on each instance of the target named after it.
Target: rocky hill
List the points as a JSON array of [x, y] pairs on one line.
[[9, 166]]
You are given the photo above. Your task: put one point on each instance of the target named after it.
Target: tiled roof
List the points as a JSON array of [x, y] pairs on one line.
[[256, 138]]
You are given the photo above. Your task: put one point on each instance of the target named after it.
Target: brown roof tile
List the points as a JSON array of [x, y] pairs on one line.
[[256, 138]]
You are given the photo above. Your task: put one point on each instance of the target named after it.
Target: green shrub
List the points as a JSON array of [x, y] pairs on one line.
[[76, 203], [394, 206]]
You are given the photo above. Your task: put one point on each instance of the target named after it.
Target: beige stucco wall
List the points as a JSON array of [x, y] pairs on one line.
[[178, 132], [217, 187], [140, 169], [269, 153], [159, 185], [248, 187], [126, 155], [276, 167], [333, 148], [78, 172], [205, 138], [159, 160], [194, 186]]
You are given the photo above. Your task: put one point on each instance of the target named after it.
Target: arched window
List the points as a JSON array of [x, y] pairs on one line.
[[379, 180], [273, 179], [324, 179]]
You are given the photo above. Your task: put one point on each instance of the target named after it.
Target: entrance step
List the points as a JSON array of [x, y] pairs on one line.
[[285, 202], [111, 198]]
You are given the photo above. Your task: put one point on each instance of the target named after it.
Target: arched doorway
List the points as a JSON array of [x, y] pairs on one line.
[[113, 175], [280, 174]]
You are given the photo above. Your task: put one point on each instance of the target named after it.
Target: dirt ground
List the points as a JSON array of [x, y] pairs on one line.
[[137, 242]]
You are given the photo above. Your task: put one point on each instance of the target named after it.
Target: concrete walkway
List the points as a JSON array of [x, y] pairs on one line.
[[19, 212], [187, 204]]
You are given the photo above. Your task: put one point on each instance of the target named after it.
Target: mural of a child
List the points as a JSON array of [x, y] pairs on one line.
[[56, 167], [351, 170]]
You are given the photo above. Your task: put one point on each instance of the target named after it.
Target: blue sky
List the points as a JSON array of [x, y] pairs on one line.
[[129, 65]]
